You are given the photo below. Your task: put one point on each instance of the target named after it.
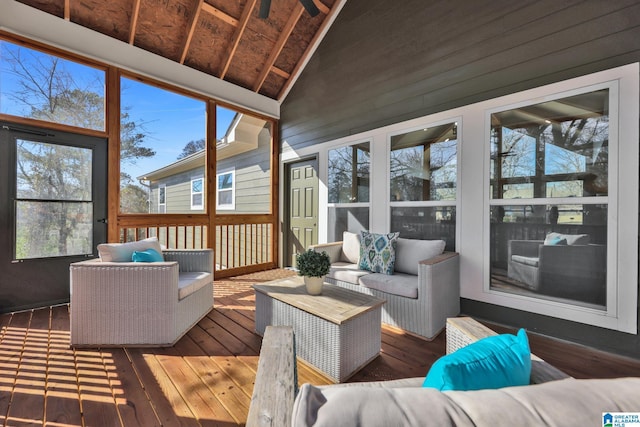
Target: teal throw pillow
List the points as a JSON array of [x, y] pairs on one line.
[[149, 255], [493, 362], [378, 252]]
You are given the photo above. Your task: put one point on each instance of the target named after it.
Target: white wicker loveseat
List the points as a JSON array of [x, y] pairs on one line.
[[115, 303], [423, 291]]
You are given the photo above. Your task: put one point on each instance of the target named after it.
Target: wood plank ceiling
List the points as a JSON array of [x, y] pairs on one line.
[[223, 38]]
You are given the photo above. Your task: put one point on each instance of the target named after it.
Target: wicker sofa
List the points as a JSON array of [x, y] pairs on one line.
[[116, 303], [423, 291], [553, 398]]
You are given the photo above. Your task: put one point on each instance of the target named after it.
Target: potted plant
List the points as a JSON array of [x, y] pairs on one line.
[[313, 266]]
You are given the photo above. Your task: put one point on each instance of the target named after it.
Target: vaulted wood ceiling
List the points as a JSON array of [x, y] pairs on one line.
[[224, 38]]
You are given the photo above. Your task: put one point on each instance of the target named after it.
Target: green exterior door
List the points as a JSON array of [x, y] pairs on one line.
[[302, 208]]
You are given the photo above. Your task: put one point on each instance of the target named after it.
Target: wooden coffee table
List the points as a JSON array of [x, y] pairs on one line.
[[338, 331]]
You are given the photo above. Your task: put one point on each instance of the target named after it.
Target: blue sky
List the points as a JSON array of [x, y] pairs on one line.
[[170, 120]]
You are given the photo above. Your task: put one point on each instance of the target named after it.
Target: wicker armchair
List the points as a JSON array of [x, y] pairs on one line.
[[140, 304], [566, 271]]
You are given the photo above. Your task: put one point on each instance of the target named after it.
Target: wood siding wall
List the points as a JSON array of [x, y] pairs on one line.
[[253, 177], [384, 61]]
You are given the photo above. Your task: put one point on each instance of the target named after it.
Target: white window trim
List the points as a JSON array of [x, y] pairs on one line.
[[201, 205], [231, 206], [424, 203], [323, 192], [621, 309], [165, 198]]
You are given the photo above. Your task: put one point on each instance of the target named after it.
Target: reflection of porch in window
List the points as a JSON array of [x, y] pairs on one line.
[[576, 273], [560, 147]]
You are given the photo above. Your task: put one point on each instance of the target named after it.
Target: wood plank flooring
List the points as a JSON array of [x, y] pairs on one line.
[[206, 379]]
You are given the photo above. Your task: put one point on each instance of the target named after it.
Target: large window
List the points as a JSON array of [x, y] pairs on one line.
[[423, 172], [46, 87], [162, 145], [549, 185], [348, 187]]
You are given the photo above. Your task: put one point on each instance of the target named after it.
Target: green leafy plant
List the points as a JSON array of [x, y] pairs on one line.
[[313, 264]]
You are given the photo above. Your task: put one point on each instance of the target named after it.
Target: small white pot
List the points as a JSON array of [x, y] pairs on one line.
[[314, 284]]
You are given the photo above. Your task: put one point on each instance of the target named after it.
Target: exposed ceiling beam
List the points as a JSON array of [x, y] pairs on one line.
[[192, 28], [282, 73], [244, 19], [284, 36], [67, 10], [220, 14], [323, 9], [311, 47], [134, 21]]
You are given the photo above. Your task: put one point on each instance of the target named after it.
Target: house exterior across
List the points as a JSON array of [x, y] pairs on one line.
[[241, 186], [243, 177]]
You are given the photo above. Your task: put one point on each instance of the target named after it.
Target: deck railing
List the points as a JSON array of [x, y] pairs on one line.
[[242, 243]]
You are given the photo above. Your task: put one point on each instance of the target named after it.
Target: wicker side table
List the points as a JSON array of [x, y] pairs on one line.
[[338, 331]]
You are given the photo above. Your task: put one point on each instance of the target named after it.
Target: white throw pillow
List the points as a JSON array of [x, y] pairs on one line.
[[572, 239], [122, 252], [351, 246], [409, 252]]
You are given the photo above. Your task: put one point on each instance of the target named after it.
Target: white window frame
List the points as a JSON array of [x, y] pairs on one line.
[[162, 206], [193, 193], [425, 203], [622, 222], [227, 207], [325, 178]]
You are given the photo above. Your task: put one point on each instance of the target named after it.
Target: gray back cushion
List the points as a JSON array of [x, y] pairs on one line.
[[409, 252], [572, 402], [351, 247]]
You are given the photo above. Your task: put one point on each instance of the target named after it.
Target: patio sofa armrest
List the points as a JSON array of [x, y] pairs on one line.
[[527, 248], [439, 285], [191, 259], [334, 250], [276, 382]]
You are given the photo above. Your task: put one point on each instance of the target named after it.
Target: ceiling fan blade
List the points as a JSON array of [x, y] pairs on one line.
[[265, 5], [311, 7]]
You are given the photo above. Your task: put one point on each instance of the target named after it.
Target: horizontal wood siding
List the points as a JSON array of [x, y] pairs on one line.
[[253, 177], [177, 193], [383, 62]]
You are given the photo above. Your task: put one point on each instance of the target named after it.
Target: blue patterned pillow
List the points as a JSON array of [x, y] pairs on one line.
[[378, 252]]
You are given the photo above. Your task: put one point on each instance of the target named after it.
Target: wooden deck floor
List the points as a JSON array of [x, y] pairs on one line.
[[206, 379]]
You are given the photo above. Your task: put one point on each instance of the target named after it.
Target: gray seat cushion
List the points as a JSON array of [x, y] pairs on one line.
[[526, 260], [346, 272], [405, 285], [192, 281]]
